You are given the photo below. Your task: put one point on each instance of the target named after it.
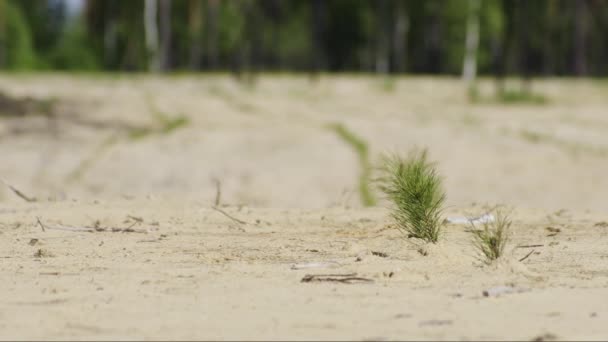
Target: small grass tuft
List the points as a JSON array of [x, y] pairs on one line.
[[416, 191], [507, 97], [389, 84], [360, 147], [165, 124], [520, 96], [491, 240]]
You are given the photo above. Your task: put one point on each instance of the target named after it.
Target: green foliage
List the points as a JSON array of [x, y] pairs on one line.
[[508, 96], [232, 30], [571, 147], [353, 35], [361, 148], [521, 96], [164, 124], [490, 241], [16, 37], [73, 51], [294, 43], [388, 84], [416, 191], [455, 18]]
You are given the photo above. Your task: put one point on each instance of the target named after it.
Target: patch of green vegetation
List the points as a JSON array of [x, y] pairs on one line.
[[388, 84], [533, 137], [490, 241], [164, 125], [573, 148], [362, 150], [519, 96], [473, 93], [86, 163], [507, 96], [416, 191]]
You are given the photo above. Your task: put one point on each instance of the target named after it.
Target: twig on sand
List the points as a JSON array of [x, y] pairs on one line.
[[530, 246], [501, 290], [18, 193], [94, 229], [228, 215], [527, 255], [350, 278], [330, 264], [40, 224]]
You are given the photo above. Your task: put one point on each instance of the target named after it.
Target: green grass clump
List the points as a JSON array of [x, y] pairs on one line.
[[388, 85], [164, 125], [507, 96], [491, 240], [360, 147], [520, 96], [416, 191]]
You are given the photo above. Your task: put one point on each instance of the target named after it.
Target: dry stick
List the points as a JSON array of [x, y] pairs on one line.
[[527, 255], [40, 223], [92, 229], [218, 191], [530, 246], [340, 278], [228, 215], [69, 229], [18, 193]]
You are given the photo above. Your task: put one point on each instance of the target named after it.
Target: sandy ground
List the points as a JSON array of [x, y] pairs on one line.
[[190, 272]]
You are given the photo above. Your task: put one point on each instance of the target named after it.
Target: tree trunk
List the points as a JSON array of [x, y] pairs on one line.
[[469, 68], [196, 25], [524, 21], [110, 34], [151, 32], [250, 43], [382, 37], [580, 55], [212, 33], [505, 45], [433, 38], [2, 35], [400, 37], [549, 43], [318, 28], [165, 34]]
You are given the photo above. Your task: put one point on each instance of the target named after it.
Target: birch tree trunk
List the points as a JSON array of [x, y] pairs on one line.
[[469, 68], [151, 31]]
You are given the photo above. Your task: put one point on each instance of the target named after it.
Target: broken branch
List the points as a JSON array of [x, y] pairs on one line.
[[228, 215], [18, 193], [527, 255]]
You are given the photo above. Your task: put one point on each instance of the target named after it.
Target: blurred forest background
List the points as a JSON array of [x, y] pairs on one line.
[[499, 37]]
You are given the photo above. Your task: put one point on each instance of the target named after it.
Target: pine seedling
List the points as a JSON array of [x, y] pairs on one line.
[[415, 189]]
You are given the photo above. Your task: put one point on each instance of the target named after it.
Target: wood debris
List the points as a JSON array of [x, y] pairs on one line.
[[350, 278]]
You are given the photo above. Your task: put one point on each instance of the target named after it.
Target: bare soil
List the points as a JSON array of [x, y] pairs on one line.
[[123, 241]]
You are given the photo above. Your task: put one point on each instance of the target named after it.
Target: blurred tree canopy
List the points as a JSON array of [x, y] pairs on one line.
[[540, 37]]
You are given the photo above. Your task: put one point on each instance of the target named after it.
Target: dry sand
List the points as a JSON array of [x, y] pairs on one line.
[[195, 273]]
